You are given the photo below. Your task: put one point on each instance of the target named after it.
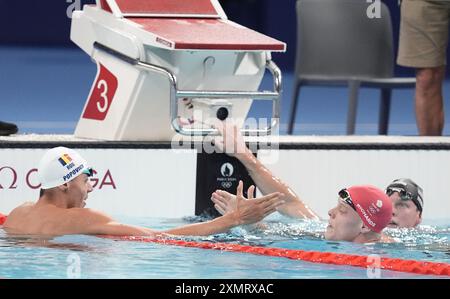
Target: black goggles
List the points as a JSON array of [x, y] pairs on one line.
[[404, 194], [344, 195]]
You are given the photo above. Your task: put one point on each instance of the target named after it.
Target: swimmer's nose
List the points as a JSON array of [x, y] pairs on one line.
[[331, 213], [90, 188]]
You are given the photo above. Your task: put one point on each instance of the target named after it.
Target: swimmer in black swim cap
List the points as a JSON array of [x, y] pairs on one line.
[[407, 201]]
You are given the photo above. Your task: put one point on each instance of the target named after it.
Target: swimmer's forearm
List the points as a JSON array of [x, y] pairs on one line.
[[268, 183], [93, 222], [119, 229], [216, 226]]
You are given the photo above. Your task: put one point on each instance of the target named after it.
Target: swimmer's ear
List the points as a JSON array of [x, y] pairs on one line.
[[63, 187], [419, 220]]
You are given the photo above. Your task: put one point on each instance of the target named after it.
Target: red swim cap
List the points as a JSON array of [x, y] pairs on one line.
[[372, 205], [2, 219]]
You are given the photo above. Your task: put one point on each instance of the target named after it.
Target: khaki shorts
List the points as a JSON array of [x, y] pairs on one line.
[[423, 33]]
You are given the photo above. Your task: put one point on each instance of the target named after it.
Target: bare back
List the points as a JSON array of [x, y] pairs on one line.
[[47, 219], [35, 219]]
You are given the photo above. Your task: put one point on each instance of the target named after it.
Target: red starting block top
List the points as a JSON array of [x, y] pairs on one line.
[[207, 34], [191, 25], [203, 8]]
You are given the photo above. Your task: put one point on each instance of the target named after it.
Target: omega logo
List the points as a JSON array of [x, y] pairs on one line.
[[9, 179]]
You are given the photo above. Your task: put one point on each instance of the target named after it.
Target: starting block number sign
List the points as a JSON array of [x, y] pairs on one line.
[[102, 95]]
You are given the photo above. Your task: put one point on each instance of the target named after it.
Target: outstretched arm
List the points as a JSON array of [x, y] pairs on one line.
[[215, 226], [243, 212], [232, 143], [92, 222], [87, 221]]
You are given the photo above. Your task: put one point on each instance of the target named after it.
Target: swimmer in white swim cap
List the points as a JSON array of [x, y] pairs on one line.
[[64, 176]]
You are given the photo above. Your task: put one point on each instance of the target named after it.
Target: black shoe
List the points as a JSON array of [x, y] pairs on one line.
[[7, 129]]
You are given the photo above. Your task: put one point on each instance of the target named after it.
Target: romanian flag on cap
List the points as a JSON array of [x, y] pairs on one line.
[[65, 159]]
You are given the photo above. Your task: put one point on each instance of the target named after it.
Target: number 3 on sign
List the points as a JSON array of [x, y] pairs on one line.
[[102, 95], [102, 85]]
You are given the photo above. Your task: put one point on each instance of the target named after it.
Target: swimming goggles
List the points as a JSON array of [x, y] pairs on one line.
[[405, 194], [344, 195], [88, 171]]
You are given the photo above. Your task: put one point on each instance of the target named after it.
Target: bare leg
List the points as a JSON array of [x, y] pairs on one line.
[[429, 101]]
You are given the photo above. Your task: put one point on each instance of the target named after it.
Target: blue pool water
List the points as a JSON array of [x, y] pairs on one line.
[[78, 256]]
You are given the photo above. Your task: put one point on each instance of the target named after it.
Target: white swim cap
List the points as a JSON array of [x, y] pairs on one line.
[[60, 165]]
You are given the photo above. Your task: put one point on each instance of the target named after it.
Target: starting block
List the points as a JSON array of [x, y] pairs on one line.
[[167, 67]]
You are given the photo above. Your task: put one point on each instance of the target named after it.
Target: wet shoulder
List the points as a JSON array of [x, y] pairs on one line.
[[19, 218], [25, 208], [86, 215]]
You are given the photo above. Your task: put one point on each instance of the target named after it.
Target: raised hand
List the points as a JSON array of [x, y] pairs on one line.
[[247, 211], [230, 140]]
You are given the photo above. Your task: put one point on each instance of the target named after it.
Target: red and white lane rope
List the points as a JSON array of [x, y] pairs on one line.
[[386, 263], [393, 264]]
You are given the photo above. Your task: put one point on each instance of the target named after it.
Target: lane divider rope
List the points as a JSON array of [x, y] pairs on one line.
[[386, 263], [2, 218]]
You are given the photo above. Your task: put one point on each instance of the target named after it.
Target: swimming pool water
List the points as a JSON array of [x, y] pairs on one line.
[[78, 256]]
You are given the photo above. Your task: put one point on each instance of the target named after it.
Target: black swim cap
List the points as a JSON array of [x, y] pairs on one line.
[[408, 190]]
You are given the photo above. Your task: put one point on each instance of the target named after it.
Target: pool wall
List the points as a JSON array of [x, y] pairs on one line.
[[151, 179]]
